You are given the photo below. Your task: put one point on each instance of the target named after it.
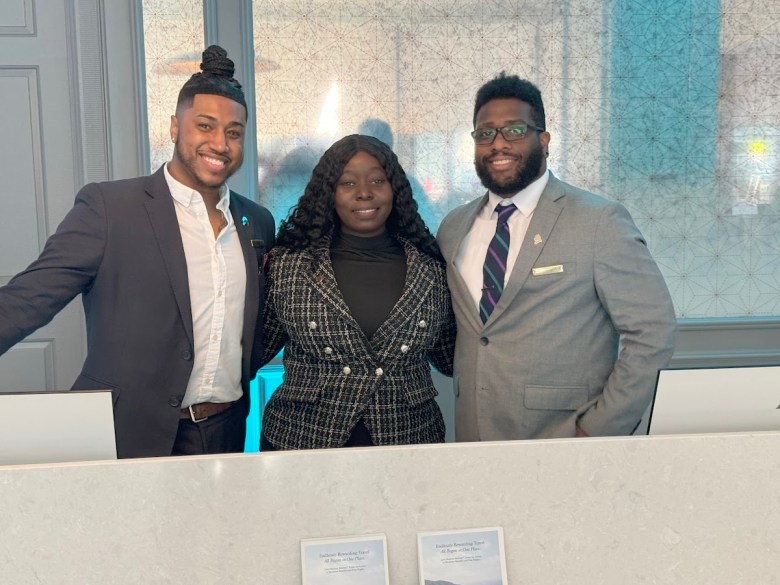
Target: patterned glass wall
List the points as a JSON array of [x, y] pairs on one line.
[[670, 107], [173, 44]]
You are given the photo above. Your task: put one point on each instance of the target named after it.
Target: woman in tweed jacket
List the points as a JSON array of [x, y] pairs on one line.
[[357, 295]]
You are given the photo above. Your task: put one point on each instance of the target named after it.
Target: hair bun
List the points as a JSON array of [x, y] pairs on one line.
[[216, 62]]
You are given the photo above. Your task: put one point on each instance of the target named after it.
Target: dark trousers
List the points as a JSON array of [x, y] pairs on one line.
[[222, 433]]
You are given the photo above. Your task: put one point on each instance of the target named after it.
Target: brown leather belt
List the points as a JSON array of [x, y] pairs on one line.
[[200, 412]]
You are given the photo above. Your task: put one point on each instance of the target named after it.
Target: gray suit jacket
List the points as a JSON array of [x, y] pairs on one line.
[[578, 335], [120, 247]]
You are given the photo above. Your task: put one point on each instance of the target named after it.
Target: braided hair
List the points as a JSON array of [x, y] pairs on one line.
[[215, 78]]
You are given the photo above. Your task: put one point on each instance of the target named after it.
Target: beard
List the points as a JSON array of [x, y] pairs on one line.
[[200, 178], [524, 176]]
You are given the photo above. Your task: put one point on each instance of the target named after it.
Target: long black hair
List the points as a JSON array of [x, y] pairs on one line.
[[313, 221]]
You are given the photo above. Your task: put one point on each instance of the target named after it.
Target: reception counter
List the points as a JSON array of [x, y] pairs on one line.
[[639, 510]]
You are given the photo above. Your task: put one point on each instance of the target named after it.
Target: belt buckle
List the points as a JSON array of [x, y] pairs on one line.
[[192, 415]]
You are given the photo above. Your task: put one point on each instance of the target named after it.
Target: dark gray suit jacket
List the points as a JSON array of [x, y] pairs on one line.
[[578, 336], [120, 247]]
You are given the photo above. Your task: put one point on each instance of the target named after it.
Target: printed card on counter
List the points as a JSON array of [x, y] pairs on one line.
[[359, 560], [462, 557]]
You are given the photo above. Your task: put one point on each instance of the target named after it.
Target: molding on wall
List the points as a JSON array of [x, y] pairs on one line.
[[130, 41], [106, 60], [29, 366], [727, 342], [87, 51], [31, 75], [27, 29]]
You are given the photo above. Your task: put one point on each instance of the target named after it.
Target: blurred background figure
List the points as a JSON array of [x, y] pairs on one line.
[[286, 179], [381, 130]]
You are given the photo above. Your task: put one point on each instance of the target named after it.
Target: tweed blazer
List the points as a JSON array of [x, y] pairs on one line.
[[334, 375]]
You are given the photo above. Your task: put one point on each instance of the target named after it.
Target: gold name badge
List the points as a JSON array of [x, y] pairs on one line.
[[545, 270]]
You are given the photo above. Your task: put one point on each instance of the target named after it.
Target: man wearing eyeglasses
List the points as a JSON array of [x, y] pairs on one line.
[[563, 316]]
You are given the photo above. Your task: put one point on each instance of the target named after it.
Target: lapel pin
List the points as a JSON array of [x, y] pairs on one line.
[[537, 240], [244, 220]]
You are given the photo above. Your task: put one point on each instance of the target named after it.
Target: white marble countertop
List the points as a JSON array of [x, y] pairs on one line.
[[687, 510]]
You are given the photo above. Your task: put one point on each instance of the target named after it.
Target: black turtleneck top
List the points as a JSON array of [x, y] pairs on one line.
[[371, 273]]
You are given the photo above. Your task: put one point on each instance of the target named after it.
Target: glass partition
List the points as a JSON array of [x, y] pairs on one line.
[[173, 45], [671, 108]]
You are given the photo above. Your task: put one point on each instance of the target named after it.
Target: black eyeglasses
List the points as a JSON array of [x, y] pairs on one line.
[[510, 133]]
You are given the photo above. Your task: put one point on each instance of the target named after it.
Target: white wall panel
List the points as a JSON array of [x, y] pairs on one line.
[[28, 367], [17, 17], [20, 166]]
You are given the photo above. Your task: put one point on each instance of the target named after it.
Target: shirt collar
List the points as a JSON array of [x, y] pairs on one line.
[[525, 200], [185, 195]]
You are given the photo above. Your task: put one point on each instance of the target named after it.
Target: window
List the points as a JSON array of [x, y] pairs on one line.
[[173, 44], [670, 108]]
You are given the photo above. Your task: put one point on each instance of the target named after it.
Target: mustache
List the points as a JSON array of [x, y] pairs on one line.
[[528, 171]]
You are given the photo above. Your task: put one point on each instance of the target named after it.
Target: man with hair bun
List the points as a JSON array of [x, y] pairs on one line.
[[169, 267]]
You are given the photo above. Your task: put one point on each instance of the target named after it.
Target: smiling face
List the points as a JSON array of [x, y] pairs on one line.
[[364, 197], [209, 139], [508, 167]]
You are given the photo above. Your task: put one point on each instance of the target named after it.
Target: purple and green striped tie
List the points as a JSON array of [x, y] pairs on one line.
[[494, 269]]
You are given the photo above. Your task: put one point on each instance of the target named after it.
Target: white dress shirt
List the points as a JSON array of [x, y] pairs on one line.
[[217, 282], [471, 254]]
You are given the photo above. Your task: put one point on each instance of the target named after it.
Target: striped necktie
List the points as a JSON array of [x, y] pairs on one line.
[[494, 269]]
